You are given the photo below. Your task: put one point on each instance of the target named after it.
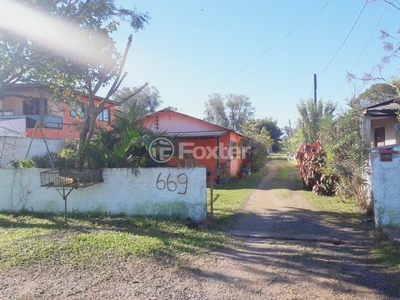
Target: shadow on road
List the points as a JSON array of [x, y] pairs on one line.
[[275, 209]]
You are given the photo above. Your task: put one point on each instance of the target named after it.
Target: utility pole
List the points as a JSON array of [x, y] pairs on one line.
[[315, 89], [290, 129]]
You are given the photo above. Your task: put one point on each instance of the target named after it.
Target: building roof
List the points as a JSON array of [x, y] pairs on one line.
[[386, 108], [198, 134], [225, 129]]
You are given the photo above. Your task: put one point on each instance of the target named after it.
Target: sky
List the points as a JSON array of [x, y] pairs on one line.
[[266, 50]]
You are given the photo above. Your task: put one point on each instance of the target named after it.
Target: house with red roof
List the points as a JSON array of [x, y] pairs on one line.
[[199, 143]]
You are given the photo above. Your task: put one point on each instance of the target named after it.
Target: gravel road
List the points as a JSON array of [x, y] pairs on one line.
[[277, 267]]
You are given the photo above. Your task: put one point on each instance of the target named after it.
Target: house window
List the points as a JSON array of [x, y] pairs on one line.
[[104, 115], [233, 150], [33, 106], [77, 110]]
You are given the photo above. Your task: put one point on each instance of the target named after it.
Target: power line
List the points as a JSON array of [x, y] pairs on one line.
[[365, 46], [351, 30], [259, 57]]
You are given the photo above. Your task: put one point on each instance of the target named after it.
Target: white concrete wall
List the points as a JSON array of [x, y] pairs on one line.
[[13, 126], [155, 191], [386, 190], [15, 148]]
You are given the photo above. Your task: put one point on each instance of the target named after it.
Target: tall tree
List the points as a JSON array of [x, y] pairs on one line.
[[231, 110], [275, 132], [377, 93], [73, 53], [311, 117], [258, 139], [71, 37], [138, 106], [215, 110], [148, 101]]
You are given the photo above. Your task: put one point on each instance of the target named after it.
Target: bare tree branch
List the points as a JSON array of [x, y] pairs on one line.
[[114, 87], [392, 4]]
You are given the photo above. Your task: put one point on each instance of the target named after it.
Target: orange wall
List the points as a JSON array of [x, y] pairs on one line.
[[203, 156], [69, 128], [171, 121]]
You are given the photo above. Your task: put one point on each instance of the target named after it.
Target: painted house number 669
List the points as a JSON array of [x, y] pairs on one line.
[[181, 182]]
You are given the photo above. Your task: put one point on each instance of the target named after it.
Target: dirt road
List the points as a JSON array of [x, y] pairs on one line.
[[277, 267]]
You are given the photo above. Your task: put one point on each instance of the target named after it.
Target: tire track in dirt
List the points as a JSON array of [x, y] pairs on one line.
[[276, 205], [330, 271]]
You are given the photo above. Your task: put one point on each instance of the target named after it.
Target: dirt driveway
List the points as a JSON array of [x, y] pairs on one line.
[[277, 267]]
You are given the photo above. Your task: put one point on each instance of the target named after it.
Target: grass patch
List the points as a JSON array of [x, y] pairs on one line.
[[32, 239], [386, 250], [229, 198], [340, 209], [95, 239], [282, 171], [345, 212]]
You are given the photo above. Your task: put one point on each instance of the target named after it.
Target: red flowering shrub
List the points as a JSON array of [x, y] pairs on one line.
[[311, 162]]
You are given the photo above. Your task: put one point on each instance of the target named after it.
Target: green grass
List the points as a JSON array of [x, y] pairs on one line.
[[31, 239], [344, 209], [345, 212], [229, 198], [282, 173], [89, 239], [386, 250]]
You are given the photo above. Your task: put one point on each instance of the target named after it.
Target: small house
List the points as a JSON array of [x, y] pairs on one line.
[[198, 142]]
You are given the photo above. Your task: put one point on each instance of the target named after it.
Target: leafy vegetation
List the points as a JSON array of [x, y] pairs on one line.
[[229, 111], [148, 101], [376, 93], [311, 162], [257, 141], [347, 157], [25, 163], [312, 116], [125, 146], [68, 69], [271, 126], [335, 160]]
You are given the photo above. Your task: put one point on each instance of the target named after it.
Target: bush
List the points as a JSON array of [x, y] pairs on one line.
[[311, 162], [45, 161], [347, 156], [25, 163]]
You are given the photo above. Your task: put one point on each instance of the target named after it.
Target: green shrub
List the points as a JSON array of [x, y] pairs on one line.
[[25, 163]]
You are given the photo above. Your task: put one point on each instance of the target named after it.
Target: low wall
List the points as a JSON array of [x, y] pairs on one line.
[[386, 190], [15, 148], [154, 191]]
